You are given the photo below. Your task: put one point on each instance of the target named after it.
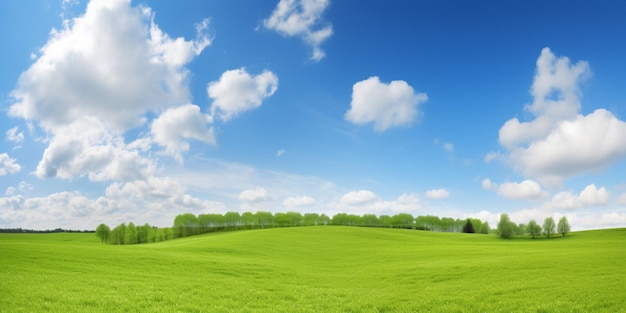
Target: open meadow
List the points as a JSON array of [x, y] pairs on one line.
[[315, 269]]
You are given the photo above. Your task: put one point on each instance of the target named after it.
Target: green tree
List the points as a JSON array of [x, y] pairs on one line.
[[505, 226], [103, 232], [232, 220], [533, 229], [265, 219], [549, 227], [370, 220], [563, 226], [131, 234], [295, 218], [185, 225], [403, 220], [521, 229], [485, 229], [311, 219], [468, 227], [249, 220], [118, 234], [150, 233], [476, 224]]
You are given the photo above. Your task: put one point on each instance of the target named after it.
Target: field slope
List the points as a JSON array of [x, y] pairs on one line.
[[315, 269]]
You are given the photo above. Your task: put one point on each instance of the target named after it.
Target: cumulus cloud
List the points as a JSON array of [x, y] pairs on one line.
[[14, 135], [99, 76], [621, 200], [437, 193], [358, 197], [299, 201], [86, 147], [560, 142], [254, 195], [365, 202], [586, 143], [386, 105], [113, 63], [302, 18], [236, 92], [156, 200], [591, 196], [8, 165], [487, 184], [176, 124], [525, 190]]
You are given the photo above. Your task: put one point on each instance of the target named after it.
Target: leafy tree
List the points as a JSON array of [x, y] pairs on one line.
[[403, 220], [476, 224], [505, 226], [485, 228], [150, 233], [103, 232], [249, 220], [563, 226], [265, 219], [534, 229], [468, 227], [185, 225], [384, 220], [521, 229], [118, 234], [232, 219], [131, 234], [295, 218], [549, 227], [311, 219], [370, 220], [324, 219]]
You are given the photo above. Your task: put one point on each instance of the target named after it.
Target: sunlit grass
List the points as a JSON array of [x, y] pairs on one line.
[[315, 269]]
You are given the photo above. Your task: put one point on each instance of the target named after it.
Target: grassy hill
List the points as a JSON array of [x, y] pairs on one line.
[[315, 269]]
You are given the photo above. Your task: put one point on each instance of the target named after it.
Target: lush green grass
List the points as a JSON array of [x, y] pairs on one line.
[[315, 269]]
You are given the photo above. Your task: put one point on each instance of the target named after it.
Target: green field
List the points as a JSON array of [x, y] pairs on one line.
[[315, 269]]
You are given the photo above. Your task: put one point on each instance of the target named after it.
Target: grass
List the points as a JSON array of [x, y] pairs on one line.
[[315, 269]]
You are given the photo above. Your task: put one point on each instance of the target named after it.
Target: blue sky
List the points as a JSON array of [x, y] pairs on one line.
[[117, 111]]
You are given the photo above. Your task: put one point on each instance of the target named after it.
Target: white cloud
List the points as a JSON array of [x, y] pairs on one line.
[[367, 202], [385, 105], [99, 76], [621, 200], [560, 142], [591, 196], [176, 124], [358, 197], [254, 195], [437, 193], [299, 201], [154, 200], [487, 184], [573, 148], [113, 63], [448, 146], [525, 190], [86, 147], [8, 165], [280, 152], [15, 135], [302, 18], [237, 92]]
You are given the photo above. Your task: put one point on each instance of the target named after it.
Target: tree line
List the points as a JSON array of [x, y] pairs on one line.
[[507, 229], [189, 224]]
